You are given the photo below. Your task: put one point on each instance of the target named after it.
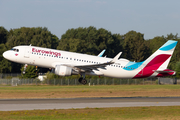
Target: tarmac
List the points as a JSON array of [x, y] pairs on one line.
[[76, 103]]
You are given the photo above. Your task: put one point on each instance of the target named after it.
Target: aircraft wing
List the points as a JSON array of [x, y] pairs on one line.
[[94, 66]]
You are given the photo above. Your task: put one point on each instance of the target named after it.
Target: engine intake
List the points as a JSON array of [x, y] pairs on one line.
[[63, 70]]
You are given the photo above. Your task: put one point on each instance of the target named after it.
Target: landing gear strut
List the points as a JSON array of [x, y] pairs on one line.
[[82, 80], [25, 66]]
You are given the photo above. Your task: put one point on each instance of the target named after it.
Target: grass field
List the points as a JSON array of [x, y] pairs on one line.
[[132, 113], [89, 91], [126, 113]]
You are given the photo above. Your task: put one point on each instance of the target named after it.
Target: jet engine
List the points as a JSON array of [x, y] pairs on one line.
[[64, 70]]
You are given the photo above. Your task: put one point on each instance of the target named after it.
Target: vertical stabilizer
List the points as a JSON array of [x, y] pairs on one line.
[[159, 60], [162, 56]]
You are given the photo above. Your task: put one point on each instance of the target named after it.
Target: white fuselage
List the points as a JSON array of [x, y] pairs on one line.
[[49, 58]]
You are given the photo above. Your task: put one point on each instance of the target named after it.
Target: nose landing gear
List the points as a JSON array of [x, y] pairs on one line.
[[25, 66]]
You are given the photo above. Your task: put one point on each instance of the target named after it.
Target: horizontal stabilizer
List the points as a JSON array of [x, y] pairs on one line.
[[160, 71], [165, 72]]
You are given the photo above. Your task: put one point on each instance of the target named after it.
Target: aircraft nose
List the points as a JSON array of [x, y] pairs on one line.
[[5, 55], [9, 55]]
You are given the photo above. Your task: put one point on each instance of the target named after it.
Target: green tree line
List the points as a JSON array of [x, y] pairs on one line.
[[88, 40]]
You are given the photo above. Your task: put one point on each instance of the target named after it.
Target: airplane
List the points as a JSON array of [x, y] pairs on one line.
[[67, 63]]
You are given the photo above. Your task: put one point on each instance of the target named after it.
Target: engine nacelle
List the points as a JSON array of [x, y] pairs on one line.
[[63, 70]]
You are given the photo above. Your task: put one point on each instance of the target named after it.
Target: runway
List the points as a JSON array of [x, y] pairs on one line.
[[70, 103]]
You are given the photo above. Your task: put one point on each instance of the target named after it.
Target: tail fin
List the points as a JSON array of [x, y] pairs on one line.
[[162, 56], [158, 61]]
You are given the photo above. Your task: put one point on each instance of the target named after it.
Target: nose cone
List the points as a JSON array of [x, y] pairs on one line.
[[10, 55], [5, 55]]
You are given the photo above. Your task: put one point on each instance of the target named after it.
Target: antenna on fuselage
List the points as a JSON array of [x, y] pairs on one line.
[[30, 45]]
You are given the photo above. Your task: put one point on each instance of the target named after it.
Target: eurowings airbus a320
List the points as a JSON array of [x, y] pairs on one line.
[[69, 63]]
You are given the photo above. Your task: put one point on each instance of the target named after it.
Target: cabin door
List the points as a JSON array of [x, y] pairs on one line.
[[27, 52]]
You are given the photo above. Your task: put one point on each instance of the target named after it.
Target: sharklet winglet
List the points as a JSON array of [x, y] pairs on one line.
[[116, 57], [101, 54]]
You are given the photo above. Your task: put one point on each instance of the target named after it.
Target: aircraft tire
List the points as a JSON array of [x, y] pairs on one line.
[[80, 79], [84, 81]]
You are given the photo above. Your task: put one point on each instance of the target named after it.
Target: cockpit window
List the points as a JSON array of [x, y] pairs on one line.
[[14, 49]]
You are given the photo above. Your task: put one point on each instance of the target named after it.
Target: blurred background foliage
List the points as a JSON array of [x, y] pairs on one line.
[[88, 40]]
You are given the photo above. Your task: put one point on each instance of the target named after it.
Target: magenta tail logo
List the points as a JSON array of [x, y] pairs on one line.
[[152, 66]]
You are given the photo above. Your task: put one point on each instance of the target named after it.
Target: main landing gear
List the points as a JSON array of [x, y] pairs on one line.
[[82, 80]]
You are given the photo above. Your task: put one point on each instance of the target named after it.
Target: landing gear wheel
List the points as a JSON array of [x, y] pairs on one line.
[[80, 79], [84, 81]]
